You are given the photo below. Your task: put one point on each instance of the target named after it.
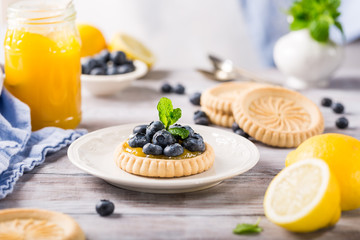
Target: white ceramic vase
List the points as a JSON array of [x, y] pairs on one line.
[[306, 62]]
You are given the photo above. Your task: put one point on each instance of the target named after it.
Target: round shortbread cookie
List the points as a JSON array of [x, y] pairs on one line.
[[24, 223], [218, 117], [222, 96], [277, 116]]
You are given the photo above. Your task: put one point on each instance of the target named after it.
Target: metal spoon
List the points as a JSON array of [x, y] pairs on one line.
[[225, 69]]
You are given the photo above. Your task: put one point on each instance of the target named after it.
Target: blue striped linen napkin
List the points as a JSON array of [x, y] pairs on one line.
[[21, 149]]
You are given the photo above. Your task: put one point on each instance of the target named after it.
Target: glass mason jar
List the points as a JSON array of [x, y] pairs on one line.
[[42, 61]]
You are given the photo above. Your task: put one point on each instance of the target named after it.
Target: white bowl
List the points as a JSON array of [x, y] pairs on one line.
[[102, 85]]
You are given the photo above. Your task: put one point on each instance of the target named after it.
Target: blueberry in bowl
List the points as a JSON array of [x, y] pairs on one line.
[[107, 73], [164, 149]]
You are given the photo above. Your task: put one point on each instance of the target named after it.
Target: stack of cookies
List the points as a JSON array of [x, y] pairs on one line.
[[273, 115]]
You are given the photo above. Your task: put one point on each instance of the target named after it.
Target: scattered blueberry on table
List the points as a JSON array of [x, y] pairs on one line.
[[199, 114], [166, 88], [342, 123], [201, 118], [326, 102], [179, 89], [106, 63], [338, 108], [105, 208], [237, 130], [195, 98]]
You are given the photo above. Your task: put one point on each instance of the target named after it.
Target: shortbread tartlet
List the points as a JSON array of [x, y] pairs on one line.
[[164, 149], [162, 166]]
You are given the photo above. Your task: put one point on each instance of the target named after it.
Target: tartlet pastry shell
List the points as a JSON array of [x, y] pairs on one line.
[[15, 223], [222, 96], [277, 116], [163, 168], [218, 117]]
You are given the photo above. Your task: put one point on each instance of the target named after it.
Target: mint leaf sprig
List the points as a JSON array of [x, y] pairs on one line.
[[246, 228], [317, 16], [169, 116]]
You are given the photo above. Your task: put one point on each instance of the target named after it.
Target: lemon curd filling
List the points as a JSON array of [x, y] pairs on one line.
[[139, 153]]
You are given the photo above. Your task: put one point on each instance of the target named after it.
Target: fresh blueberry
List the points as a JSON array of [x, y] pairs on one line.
[[342, 123], [202, 121], [191, 131], [153, 128], [179, 89], [166, 88], [126, 68], [241, 133], [199, 114], [173, 150], [138, 140], [91, 64], [105, 208], [152, 149], [118, 57], [112, 70], [338, 108], [98, 71], [195, 98], [103, 56], [235, 126], [326, 102], [85, 69], [140, 129], [194, 143], [163, 138]]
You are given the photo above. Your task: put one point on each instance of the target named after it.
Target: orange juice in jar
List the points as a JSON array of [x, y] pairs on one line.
[[42, 61]]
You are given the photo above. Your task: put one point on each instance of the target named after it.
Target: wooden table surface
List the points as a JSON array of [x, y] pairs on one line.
[[208, 214]]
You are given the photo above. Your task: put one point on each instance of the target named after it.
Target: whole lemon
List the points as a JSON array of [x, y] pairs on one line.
[[342, 154], [92, 40]]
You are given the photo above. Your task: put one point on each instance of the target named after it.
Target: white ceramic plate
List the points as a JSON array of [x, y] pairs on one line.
[[93, 153], [102, 85]]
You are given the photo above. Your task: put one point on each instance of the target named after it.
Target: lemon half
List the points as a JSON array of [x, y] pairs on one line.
[[303, 197], [133, 48]]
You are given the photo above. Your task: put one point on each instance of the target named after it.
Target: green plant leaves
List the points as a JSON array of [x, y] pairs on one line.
[[319, 30], [169, 116], [317, 16], [246, 228], [181, 132], [165, 108]]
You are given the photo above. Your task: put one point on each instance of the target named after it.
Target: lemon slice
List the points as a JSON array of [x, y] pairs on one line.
[[132, 48], [303, 197]]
